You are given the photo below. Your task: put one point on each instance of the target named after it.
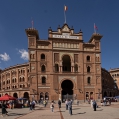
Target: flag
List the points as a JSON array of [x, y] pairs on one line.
[[95, 27], [65, 8]]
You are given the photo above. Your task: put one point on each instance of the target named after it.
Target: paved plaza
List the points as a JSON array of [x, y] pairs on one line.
[[83, 111]]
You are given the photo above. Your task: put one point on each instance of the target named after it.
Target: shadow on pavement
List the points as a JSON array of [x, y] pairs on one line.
[[99, 110], [80, 113], [60, 111], [15, 114], [75, 108]]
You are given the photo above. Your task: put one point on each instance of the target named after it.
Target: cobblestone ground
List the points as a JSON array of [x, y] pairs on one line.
[[83, 111]]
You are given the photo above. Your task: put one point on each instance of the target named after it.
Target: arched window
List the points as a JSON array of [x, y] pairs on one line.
[[42, 57], [76, 68], [30, 56], [23, 85], [43, 80], [88, 80], [56, 67], [20, 86], [88, 69], [88, 58], [66, 64], [20, 79], [43, 68], [23, 79], [98, 59]]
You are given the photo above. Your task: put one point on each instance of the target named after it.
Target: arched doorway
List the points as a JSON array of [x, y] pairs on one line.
[[15, 95], [26, 95], [46, 96], [110, 94], [67, 90], [41, 96], [66, 63], [105, 94]]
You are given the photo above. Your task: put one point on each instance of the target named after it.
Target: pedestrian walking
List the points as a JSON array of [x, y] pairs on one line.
[[104, 101], [101, 102], [30, 105], [33, 104], [66, 104], [52, 106], [94, 105], [91, 102], [44, 102], [4, 111], [109, 101], [70, 106], [59, 103]]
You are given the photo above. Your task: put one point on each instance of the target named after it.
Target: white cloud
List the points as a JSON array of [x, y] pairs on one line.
[[24, 54], [4, 57]]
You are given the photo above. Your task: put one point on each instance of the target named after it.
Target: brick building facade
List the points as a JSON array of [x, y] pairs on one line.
[[15, 81], [64, 66], [115, 75]]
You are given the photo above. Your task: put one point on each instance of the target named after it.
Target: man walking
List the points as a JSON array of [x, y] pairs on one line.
[[66, 102], [59, 103], [94, 105], [70, 106]]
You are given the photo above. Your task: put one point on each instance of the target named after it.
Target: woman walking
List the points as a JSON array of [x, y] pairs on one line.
[[4, 111], [52, 106]]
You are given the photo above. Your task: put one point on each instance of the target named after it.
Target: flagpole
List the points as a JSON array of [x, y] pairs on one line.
[[94, 29], [64, 15], [32, 22]]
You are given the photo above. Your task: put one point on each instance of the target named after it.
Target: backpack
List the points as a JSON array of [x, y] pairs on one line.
[[94, 103]]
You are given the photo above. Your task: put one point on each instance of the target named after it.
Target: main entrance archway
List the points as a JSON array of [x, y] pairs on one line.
[[67, 89]]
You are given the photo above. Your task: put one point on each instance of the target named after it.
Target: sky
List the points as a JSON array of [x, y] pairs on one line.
[[16, 16]]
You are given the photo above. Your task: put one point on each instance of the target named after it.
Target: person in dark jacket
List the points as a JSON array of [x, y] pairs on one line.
[[59, 103], [94, 105], [4, 111]]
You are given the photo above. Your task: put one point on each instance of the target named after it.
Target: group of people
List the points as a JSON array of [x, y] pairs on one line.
[[32, 105], [68, 103], [104, 102]]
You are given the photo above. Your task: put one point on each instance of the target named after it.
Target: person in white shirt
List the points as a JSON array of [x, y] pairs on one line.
[[66, 102]]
